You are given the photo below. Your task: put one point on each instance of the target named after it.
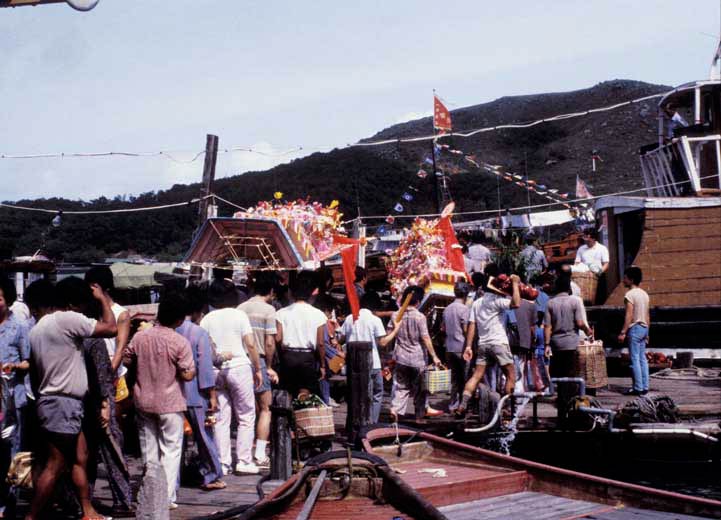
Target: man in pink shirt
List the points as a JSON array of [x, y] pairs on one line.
[[163, 359]]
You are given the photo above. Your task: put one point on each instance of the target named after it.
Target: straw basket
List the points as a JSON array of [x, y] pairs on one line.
[[437, 380], [588, 283], [314, 422], [591, 364]]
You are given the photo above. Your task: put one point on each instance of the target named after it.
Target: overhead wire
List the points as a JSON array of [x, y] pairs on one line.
[[525, 208], [469, 133]]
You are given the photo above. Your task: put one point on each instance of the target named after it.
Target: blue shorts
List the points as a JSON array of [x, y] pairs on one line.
[[265, 387]]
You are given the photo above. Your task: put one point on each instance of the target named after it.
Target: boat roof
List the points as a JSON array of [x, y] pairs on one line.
[[687, 89], [619, 202]]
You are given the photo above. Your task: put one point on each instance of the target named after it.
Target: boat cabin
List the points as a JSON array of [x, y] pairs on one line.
[[676, 241], [686, 160]]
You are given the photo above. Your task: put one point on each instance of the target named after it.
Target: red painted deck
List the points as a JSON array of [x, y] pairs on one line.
[[346, 509], [463, 482]]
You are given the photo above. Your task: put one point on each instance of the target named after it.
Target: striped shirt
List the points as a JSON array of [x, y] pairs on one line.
[[262, 320]]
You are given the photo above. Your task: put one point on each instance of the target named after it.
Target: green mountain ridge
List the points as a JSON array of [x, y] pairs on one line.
[[370, 180]]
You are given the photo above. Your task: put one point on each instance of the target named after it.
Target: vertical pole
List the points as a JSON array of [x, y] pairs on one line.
[[281, 457], [437, 192], [358, 372], [206, 188]]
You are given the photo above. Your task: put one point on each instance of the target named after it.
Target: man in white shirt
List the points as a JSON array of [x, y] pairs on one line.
[[592, 256], [300, 333], [232, 334], [369, 328]]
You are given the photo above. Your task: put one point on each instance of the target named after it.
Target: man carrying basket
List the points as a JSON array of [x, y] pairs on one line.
[[487, 317]]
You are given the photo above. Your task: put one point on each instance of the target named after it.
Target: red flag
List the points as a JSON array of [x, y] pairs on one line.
[[454, 255], [441, 115], [348, 262], [581, 189]]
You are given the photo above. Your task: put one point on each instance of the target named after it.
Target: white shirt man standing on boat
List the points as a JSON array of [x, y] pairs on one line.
[[592, 256], [488, 319]]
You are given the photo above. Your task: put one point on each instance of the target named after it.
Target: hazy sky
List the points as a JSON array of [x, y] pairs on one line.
[[148, 75]]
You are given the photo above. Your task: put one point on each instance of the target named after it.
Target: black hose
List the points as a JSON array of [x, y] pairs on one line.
[[259, 486]]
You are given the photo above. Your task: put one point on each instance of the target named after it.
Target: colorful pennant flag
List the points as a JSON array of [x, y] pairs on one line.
[[441, 115], [398, 208], [422, 174], [407, 196], [581, 189], [390, 219], [428, 160]]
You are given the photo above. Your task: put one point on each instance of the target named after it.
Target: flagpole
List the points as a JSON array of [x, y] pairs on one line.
[[436, 189]]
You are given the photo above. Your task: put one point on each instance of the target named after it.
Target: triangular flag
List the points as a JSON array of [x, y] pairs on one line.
[[398, 208], [428, 160], [422, 174], [581, 189], [441, 115], [390, 219], [407, 196]]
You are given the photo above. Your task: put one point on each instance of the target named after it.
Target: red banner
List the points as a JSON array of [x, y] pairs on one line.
[[441, 115], [348, 261]]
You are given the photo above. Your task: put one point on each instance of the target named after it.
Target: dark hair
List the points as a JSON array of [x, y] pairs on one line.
[[325, 303], [591, 233], [360, 274], [492, 269], [74, 291], [634, 274], [461, 289], [478, 280], [40, 294], [302, 287], [222, 294], [262, 284], [371, 301], [7, 286], [530, 240], [196, 298], [417, 292], [563, 283], [101, 275], [172, 308]]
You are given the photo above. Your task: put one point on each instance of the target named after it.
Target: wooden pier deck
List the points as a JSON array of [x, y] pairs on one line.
[[698, 401]]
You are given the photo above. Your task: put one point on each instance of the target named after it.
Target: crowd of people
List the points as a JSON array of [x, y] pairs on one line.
[[214, 353]]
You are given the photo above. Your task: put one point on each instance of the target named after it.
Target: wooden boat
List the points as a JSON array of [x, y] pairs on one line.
[[478, 483]]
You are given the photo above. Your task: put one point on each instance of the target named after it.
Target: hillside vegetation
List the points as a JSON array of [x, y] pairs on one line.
[[371, 180]]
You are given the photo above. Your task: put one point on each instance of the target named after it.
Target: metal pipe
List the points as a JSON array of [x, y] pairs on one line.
[[669, 431], [499, 407], [600, 411], [579, 380]]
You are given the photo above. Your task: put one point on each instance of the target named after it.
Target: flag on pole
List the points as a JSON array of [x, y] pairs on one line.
[[581, 189], [441, 115]]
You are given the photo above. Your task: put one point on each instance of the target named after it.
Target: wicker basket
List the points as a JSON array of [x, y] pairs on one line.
[[588, 283], [314, 422], [437, 380], [591, 364]]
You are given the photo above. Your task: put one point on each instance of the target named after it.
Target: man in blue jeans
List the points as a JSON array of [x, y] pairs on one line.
[[635, 329]]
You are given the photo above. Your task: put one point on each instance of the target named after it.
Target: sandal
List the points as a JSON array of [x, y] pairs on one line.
[[214, 486]]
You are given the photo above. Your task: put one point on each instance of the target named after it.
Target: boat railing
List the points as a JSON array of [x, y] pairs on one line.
[[684, 165]]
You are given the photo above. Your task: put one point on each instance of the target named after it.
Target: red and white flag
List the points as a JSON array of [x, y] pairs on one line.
[[581, 189], [441, 116]]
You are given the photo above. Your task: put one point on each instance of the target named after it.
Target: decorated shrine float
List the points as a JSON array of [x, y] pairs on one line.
[[274, 235], [428, 256]]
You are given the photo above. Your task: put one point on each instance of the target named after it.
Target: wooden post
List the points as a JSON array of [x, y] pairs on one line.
[[281, 456], [358, 371], [206, 188]]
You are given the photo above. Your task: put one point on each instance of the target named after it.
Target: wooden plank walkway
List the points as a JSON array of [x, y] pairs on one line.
[[540, 506], [697, 400]]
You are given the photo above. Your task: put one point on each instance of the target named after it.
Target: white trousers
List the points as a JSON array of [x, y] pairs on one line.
[[235, 397], [161, 442]]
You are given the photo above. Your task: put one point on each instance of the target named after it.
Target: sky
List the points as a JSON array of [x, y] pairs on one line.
[[273, 76]]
